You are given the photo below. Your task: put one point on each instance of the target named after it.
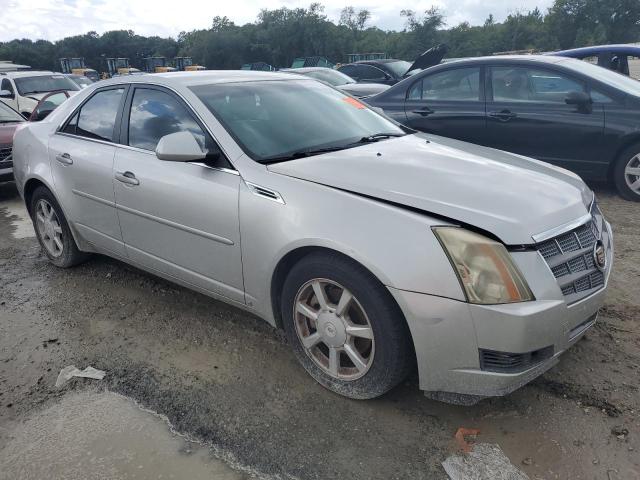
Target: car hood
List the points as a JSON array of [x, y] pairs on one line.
[[363, 89], [510, 196], [6, 132]]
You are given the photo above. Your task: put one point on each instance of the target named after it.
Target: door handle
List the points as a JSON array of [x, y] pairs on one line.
[[127, 178], [503, 115], [64, 158], [425, 111]]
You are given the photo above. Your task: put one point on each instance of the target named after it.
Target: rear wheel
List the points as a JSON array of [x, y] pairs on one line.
[[344, 326], [626, 174], [53, 230]]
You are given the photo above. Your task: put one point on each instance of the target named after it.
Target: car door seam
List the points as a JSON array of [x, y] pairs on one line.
[[179, 226]]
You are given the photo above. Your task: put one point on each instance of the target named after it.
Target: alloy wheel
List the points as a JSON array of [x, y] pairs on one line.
[[632, 174], [334, 329], [49, 228]]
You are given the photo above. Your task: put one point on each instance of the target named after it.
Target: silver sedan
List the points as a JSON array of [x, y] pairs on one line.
[[375, 248]]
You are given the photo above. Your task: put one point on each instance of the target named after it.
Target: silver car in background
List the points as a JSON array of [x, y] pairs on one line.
[[375, 248]]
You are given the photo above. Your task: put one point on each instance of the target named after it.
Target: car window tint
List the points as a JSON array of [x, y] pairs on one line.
[[367, 72], [521, 84], [71, 125], [6, 85], [599, 97], [349, 70], [634, 67], [155, 114], [456, 84], [97, 117]]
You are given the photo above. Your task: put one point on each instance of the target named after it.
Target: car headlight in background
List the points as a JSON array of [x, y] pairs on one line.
[[485, 267]]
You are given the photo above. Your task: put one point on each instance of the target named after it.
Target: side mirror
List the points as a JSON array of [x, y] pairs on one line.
[[40, 114], [581, 99], [6, 94], [179, 147]]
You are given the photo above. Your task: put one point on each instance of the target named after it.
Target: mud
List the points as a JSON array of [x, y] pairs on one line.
[[228, 380]]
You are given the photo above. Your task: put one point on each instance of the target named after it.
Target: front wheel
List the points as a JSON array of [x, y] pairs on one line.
[[626, 173], [53, 230], [344, 326]]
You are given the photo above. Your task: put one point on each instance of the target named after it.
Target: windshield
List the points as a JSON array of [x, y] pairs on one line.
[[83, 82], [614, 79], [332, 77], [43, 84], [399, 68], [8, 115], [273, 119]]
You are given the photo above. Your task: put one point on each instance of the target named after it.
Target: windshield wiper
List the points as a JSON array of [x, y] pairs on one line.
[[302, 154], [379, 136]]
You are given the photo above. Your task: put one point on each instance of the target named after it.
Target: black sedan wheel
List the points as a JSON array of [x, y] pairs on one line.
[[626, 174]]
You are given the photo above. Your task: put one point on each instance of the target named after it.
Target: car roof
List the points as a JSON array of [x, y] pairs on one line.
[[203, 77], [29, 73], [305, 69], [621, 48]]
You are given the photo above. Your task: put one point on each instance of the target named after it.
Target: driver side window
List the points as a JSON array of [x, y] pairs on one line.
[[155, 113], [6, 85], [522, 84]]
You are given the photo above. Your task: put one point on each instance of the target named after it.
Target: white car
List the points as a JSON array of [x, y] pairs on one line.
[[23, 90]]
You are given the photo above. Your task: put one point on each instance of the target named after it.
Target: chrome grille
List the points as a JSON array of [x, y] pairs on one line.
[[570, 257]]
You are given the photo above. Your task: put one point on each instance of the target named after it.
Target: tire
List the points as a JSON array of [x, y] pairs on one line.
[[628, 185], [62, 252], [382, 361]]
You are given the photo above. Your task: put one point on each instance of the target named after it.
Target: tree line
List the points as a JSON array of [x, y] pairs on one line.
[[280, 35]]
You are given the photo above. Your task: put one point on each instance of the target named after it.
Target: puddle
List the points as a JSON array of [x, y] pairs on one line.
[[16, 211], [104, 435]]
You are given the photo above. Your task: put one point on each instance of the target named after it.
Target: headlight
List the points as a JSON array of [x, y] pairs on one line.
[[484, 267]]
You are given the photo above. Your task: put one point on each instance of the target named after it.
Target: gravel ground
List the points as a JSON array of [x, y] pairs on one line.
[[229, 380]]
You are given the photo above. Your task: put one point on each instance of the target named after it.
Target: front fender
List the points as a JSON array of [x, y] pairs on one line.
[[394, 244]]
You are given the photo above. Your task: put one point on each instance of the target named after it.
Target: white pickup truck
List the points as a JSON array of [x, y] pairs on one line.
[[23, 90]]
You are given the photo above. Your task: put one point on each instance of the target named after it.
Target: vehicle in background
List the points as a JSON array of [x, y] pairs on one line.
[[561, 110], [339, 80], [48, 104], [120, 66], [80, 80], [157, 65], [357, 57], [390, 71], [9, 121], [258, 66], [317, 61], [9, 66], [23, 90], [375, 248], [624, 59], [76, 66], [185, 64]]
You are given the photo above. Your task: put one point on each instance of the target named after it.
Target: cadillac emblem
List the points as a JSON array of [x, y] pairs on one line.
[[600, 256]]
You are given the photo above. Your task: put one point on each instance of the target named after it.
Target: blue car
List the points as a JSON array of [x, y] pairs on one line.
[[624, 59]]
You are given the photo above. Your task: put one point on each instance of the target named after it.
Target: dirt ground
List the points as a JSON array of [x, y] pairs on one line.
[[228, 380]]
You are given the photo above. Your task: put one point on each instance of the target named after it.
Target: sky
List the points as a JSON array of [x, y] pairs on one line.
[[56, 19]]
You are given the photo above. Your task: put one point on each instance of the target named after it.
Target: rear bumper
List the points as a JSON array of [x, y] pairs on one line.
[[450, 336]]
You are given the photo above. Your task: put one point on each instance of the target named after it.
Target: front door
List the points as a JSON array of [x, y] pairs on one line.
[[527, 114], [178, 218], [448, 103], [81, 155]]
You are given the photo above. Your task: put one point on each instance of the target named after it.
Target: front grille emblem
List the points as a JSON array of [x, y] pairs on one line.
[[600, 255]]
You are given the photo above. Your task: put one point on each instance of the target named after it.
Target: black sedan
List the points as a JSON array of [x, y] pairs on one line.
[[390, 71], [560, 110]]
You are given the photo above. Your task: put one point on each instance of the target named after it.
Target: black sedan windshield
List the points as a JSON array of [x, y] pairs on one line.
[[614, 79], [43, 84], [273, 119]]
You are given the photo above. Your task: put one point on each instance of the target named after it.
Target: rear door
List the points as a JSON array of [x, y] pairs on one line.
[[177, 218], [527, 114], [81, 155], [449, 103]]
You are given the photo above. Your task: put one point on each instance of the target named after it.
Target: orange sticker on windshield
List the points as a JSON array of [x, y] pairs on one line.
[[353, 102]]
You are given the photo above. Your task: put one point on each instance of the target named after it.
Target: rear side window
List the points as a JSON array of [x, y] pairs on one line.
[[154, 114], [97, 117], [456, 84], [522, 84]]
